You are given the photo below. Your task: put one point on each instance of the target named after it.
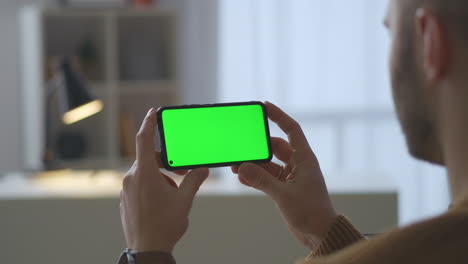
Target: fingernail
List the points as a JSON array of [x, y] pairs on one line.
[[202, 169], [243, 178], [150, 111]]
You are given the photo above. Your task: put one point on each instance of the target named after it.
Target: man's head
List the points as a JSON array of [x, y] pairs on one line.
[[425, 36]]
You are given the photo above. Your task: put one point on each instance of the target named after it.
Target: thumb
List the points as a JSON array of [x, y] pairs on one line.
[[193, 180], [259, 178]]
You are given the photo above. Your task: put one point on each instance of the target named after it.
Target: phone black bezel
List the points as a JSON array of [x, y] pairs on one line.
[[210, 165]]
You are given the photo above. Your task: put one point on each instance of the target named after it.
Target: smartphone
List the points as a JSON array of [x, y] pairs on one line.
[[215, 135]]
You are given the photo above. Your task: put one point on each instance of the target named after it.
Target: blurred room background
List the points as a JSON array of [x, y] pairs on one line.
[[323, 61]]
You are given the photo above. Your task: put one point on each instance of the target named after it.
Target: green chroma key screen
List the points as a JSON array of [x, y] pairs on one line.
[[214, 135]]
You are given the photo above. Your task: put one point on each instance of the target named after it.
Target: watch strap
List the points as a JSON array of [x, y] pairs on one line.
[[129, 256]]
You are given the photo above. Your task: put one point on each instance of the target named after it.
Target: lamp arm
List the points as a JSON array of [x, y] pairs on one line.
[[48, 155]]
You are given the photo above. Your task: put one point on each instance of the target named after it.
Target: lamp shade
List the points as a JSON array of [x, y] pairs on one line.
[[78, 103]]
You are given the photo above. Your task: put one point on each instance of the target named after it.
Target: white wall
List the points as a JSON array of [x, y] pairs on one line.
[[10, 105], [325, 63]]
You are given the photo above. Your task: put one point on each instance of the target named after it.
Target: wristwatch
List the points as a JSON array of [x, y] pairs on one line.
[[129, 256]]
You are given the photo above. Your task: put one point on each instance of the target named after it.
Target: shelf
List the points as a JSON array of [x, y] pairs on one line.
[[73, 12], [125, 88], [86, 163], [99, 85], [110, 11], [127, 57], [78, 37], [145, 47], [138, 12], [148, 87]]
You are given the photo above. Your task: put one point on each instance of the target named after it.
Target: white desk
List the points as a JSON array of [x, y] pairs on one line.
[[76, 220]]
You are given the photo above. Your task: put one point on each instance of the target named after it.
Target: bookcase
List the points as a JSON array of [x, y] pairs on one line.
[[127, 56]]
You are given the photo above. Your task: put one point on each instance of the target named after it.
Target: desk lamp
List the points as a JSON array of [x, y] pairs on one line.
[[75, 100]]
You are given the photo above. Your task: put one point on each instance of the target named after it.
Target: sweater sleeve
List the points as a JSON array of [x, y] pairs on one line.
[[441, 239], [340, 235]]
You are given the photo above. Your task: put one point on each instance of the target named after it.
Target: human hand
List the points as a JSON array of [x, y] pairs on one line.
[[153, 209], [298, 188]]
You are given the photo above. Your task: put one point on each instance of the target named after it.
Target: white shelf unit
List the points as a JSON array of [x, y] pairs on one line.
[[129, 58]]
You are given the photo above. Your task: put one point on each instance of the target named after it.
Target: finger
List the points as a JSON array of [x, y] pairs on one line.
[[157, 157], [260, 179], [277, 171], [272, 168], [192, 181], [291, 127], [170, 181], [286, 173], [145, 138], [243, 181], [235, 169], [281, 149], [181, 172]]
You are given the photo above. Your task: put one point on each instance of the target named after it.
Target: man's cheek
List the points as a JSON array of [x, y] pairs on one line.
[[392, 62]]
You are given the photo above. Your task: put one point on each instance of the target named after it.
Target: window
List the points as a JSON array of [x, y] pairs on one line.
[[325, 63]]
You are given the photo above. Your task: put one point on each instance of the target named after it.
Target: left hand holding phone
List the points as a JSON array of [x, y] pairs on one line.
[[153, 209]]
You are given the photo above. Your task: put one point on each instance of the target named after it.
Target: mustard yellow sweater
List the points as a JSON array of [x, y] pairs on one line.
[[441, 240]]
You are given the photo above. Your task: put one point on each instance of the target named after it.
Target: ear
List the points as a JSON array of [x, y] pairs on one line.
[[433, 42]]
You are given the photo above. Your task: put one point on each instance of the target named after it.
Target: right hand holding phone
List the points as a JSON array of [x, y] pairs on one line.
[[298, 188]]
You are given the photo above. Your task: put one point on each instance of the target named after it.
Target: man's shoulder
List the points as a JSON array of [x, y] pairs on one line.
[[449, 224], [454, 219], [443, 238]]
